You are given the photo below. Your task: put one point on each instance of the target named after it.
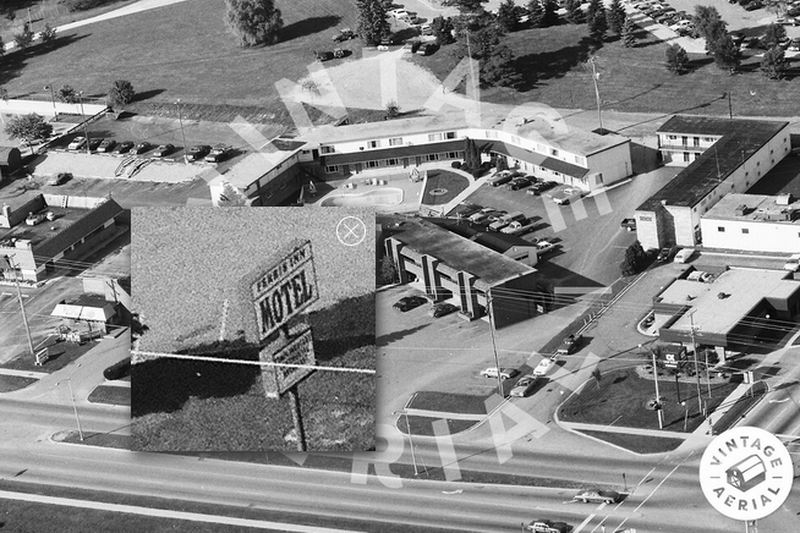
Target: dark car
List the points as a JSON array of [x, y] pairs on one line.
[[752, 6], [664, 255], [107, 145], [163, 149], [339, 53], [218, 153], [142, 147], [541, 186], [519, 183], [501, 179], [464, 209], [344, 35], [569, 344], [95, 143], [442, 309], [118, 370], [197, 152], [407, 303], [323, 56], [123, 147], [546, 526], [628, 224]]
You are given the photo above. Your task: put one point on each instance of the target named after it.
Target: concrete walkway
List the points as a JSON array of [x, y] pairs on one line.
[[444, 414], [623, 429], [23, 373]]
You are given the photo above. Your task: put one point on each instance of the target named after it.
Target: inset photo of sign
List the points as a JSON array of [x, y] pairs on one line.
[[259, 330]]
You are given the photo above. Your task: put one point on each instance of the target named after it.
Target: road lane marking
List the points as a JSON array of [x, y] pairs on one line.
[[583, 524], [165, 513]]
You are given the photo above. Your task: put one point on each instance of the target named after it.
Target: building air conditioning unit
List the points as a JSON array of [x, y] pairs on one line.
[[783, 199], [741, 210]]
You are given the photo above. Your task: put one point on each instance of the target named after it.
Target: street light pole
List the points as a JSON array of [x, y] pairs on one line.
[[494, 342], [85, 126], [658, 397], [183, 135], [595, 76], [696, 369], [411, 443], [74, 408], [52, 99], [7, 265], [685, 415]]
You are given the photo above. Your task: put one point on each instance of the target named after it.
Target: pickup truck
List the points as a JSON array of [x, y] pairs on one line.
[[519, 227], [505, 220]]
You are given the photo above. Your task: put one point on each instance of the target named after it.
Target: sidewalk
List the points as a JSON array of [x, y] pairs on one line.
[[23, 373]]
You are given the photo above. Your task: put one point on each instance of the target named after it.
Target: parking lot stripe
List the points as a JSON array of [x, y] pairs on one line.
[[579, 209], [583, 524], [554, 215], [602, 203]]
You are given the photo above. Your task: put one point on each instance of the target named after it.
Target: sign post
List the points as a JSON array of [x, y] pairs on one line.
[[275, 296]]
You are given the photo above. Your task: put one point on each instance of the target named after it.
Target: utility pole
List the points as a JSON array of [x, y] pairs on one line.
[[85, 126], [49, 87], [595, 77], [183, 135], [696, 369], [411, 443], [494, 342], [730, 106], [658, 397], [6, 265]]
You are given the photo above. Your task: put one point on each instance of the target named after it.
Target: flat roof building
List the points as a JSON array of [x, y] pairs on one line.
[[721, 156], [451, 267]]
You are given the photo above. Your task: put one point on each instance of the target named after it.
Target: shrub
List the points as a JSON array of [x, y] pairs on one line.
[[82, 5], [456, 164]]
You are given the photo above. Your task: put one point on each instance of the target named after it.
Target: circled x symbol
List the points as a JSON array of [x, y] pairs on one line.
[[351, 231]]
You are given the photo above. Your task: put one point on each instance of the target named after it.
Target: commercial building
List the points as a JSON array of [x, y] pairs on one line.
[[721, 156], [582, 159], [754, 223], [447, 266], [88, 312], [44, 230], [738, 310]]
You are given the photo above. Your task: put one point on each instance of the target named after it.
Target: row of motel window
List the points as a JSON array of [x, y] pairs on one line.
[[695, 140], [745, 231], [394, 161]]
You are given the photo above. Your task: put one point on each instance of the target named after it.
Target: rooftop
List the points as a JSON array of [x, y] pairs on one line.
[[256, 164], [44, 230], [755, 208], [85, 307], [497, 241], [742, 288], [740, 139], [459, 252]]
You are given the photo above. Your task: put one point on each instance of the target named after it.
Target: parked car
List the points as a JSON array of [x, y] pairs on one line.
[[106, 145], [58, 179], [752, 6], [519, 227], [407, 303], [465, 209], [505, 373], [218, 153], [163, 149], [77, 143], [142, 147], [542, 247], [441, 309], [684, 255], [501, 179], [699, 275], [519, 183], [344, 35], [505, 220], [123, 148], [569, 344], [793, 263], [482, 215], [543, 367], [597, 496], [663, 255], [197, 152], [628, 224], [541, 186], [427, 49], [494, 217], [339, 53], [524, 386], [94, 144], [547, 526]]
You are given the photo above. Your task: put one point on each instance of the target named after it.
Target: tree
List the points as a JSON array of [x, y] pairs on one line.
[[466, 7], [392, 109], [598, 26], [29, 128], [629, 30], [24, 38], [48, 34], [373, 24], [387, 274], [67, 94], [2, 47], [231, 197], [442, 28], [497, 69], [535, 9], [508, 15], [774, 34], [551, 17], [709, 25], [677, 59], [574, 11], [120, 94], [773, 64], [595, 7], [635, 260], [615, 17], [254, 22], [726, 53]]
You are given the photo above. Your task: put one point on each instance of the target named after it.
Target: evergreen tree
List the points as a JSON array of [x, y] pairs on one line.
[[595, 7], [535, 10], [598, 26], [373, 24], [726, 53], [677, 59], [774, 34], [615, 17], [773, 65], [629, 30], [550, 13], [442, 28], [574, 11], [508, 16]]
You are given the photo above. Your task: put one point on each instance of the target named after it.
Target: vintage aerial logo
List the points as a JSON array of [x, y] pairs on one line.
[[746, 473]]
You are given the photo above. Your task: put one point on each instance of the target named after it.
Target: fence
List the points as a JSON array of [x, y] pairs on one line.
[[48, 108]]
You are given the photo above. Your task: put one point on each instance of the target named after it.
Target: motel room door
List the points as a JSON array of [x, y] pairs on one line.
[[359, 166], [418, 160]]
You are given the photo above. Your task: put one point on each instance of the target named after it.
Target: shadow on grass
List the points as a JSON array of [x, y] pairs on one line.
[[145, 95], [307, 27], [547, 65], [13, 63]]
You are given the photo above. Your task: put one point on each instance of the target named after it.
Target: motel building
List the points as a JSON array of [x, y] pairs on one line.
[[585, 160], [736, 311], [450, 267], [719, 156]]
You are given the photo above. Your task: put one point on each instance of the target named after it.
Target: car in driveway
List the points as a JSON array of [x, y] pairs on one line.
[[568, 344], [77, 143], [163, 149], [197, 152], [323, 56], [597, 496], [344, 35], [142, 147], [123, 148], [519, 227], [524, 386], [541, 525], [219, 152], [544, 366], [407, 303], [442, 309], [106, 145], [501, 179], [505, 373]]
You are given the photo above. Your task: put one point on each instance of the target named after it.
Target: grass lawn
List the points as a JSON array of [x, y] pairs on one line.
[[110, 394], [61, 354], [423, 425], [448, 402], [442, 186], [553, 63], [185, 51], [621, 396], [12, 383], [107, 440], [637, 443]]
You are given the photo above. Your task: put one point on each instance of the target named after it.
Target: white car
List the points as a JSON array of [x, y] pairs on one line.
[[793, 263], [684, 255], [542, 247], [543, 367], [77, 143], [505, 373]]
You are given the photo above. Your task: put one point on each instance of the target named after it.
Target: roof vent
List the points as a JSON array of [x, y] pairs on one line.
[[741, 210], [783, 199]]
